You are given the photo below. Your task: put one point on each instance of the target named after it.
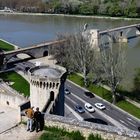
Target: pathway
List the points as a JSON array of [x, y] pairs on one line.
[[19, 133]]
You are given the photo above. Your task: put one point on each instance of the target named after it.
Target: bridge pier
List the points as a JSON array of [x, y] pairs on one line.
[[95, 39]]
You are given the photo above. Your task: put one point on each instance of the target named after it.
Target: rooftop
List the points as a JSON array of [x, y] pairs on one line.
[[50, 71], [47, 72]]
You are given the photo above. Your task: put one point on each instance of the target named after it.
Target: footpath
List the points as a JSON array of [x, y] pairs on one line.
[[19, 133]]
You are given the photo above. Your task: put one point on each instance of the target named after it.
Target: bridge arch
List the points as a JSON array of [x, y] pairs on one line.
[[45, 53], [7, 59]]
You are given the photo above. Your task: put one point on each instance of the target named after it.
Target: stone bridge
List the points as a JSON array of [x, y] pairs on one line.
[[119, 34], [33, 51]]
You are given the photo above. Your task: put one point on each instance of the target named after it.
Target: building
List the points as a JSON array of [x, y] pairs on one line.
[[47, 88]]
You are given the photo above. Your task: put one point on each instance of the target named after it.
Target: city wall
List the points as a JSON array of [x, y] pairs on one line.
[[86, 128], [12, 99]]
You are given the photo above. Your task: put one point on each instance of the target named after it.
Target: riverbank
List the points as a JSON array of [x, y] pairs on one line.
[[66, 15]]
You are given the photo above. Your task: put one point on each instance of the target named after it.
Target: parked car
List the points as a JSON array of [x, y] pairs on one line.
[[67, 91], [89, 107], [79, 109], [89, 94], [100, 106]]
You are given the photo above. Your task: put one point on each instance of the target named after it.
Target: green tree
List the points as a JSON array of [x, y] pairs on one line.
[[86, 9]]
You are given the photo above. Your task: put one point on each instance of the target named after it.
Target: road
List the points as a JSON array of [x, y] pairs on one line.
[[72, 100], [78, 93]]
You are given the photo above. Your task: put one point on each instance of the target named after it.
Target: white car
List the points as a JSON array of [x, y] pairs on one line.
[[89, 107], [100, 106]]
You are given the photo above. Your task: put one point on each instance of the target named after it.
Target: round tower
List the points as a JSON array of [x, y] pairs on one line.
[[47, 88]]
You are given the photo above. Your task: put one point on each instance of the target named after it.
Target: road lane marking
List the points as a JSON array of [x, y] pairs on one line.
[[132, 120], [70, 100], [123, 122], [74, 113], [112, 120], [132, 124], [83, 107], [129, 119]]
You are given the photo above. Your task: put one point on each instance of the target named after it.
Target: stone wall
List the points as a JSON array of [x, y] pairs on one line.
[[10, 97], [86, 128]]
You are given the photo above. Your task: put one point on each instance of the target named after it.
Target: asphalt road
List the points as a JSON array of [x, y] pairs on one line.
[[78, 97], [72, 101]]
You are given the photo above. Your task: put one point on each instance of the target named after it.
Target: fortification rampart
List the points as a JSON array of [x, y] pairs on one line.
[[86, 128]]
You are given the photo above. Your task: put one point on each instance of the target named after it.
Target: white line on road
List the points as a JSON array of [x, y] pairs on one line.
[[123, 122], [129, 119], [74, 113], [131, 123], [113, 121], [85, 110]]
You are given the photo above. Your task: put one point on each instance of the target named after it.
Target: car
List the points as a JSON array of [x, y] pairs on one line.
[[89, 107], [89, 94], [67, 91], [79, 109], [100, 106]]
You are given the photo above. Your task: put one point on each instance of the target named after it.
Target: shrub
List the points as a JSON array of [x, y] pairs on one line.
[[96, 137]]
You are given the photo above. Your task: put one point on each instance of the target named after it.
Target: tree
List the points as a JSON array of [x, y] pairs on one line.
[[137, 81], [64, 53], [83, 53], [76, 54], [113, 65]]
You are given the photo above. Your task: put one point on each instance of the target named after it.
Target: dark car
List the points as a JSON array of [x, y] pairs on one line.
[[89, 94], [67, 91], [79, 109]]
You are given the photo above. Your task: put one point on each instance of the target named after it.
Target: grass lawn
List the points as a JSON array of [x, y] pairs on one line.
[[105, 94], [5, 46], [130, 108], [20, 84], [54, 133]]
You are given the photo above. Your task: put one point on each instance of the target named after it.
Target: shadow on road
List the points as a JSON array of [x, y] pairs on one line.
[[96, 120]]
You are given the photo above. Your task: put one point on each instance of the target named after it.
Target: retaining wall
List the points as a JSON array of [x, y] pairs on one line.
[[86, 128]]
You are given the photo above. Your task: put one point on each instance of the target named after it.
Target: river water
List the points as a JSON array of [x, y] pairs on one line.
[[28, 30]]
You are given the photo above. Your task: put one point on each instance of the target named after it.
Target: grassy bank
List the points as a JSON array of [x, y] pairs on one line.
[[105, 94], [54, 133], [98, 90], [5, 46], [19, 83]]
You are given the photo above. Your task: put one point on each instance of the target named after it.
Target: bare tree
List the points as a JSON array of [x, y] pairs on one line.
[[113, 65], [83, 54], [64, 53], [76, 54]]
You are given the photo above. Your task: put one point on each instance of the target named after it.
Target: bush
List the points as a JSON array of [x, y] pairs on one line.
[[96, 137], [55, 133]]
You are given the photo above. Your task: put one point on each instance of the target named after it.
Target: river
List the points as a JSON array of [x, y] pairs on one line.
[[28, 30]]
